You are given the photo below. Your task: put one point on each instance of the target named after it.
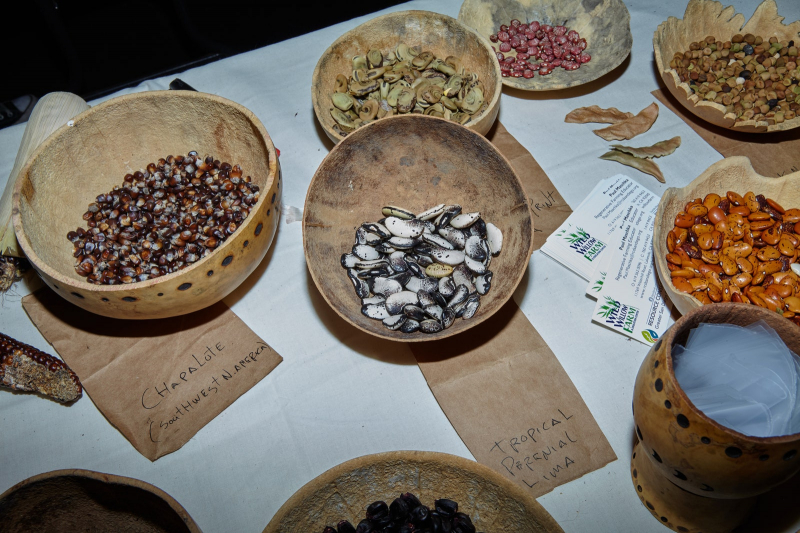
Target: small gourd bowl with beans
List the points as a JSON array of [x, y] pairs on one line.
[[731, 235], [492, 501], [150, 205], [548, 45], [736, 75], [407, 62]]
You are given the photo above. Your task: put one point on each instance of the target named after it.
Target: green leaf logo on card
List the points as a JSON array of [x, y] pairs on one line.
[[585, 244], [618, 315]]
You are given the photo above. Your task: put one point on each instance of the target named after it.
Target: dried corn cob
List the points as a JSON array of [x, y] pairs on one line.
[[24, 368]]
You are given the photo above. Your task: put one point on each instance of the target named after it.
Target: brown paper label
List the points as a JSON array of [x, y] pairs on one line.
[[513, 404], [158, 381], [547, 205], [771, 154]]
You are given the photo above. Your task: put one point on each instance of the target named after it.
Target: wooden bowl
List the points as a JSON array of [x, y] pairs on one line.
[[708, 17], [415, 162], [82, 500], [731, 174], [605, 24], [441, 35], [123, 135], [344, 492], [688, 448]]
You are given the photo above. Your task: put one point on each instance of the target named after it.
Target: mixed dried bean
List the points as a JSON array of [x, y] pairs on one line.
[[406, 514], [755, 79], [405, 80], [162, 219], [737, 249], [554, 46]]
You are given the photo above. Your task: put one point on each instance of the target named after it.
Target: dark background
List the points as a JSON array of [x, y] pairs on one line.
[[94, 47]]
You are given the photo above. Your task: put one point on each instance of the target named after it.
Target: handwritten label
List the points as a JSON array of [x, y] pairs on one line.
[[540, 453], [191, 389]]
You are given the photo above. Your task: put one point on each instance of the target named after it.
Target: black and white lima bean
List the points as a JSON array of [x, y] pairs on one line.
[[421, 272]]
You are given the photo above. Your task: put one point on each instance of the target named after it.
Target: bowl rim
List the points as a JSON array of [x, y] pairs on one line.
[[684, 300], [529, 84], [691, 101], [475, 320], [110, 479], [514, 490], [669, 339], [498, 85], [39, 264]]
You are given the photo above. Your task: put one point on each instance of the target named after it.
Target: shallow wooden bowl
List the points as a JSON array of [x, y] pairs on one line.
[[605, 24], [439, 34], [731, 174], [688, 448], [708, 17], [415, 162], [344, 492], [84, 159], [82, 500]]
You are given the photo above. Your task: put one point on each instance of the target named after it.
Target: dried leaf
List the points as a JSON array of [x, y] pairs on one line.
[[594, 113], [659, 149], [644, 165], [630, 128]]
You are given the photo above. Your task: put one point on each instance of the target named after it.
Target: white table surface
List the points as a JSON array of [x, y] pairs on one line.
[[335, 396]]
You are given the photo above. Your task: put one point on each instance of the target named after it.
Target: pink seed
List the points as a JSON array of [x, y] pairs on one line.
[[505, 47], [515, 23], [585, 58], [528, 74], [493, 37], [534, 26], [503, 36]]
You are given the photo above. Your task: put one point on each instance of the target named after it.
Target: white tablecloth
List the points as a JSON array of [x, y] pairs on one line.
[[338, 393]]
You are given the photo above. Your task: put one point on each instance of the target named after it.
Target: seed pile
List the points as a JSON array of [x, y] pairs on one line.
[[406, 80], [406, 514], [421, 272], [553, 46], [737, 249], [753, 78], [162, 219]]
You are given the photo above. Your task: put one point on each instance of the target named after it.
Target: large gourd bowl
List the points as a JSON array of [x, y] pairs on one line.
[[344, 492], [705, 18], [92, 154], [731, 174], [83, 500], [441, 35], [414, 162], [605, 24], [693, 451]]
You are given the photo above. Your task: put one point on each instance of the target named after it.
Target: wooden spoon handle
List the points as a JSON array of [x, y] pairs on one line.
[[52, 111]]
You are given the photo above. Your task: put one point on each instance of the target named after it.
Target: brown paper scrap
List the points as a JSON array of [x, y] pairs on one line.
[[548, 206], [771, 154], [513, 404], [157, 381]]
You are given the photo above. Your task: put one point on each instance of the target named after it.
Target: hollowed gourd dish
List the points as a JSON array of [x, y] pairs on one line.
[[414, 162], [731, 174], [344, 492], [704, 18], [93, 152], [605, 24], [478, 100]]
